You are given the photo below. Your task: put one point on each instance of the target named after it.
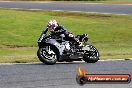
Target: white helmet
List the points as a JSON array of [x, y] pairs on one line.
[[52, 24]]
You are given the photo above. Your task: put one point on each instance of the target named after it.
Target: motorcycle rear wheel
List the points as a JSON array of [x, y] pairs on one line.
[[92, 55]]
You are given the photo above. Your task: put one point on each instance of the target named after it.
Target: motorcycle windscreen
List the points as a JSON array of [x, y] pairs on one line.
[[41, 37]]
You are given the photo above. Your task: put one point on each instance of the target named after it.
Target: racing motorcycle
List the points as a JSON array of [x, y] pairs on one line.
[[54, 48]]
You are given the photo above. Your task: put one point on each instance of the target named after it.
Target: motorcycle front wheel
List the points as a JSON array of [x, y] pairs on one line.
[[47, 55], [92, 55]]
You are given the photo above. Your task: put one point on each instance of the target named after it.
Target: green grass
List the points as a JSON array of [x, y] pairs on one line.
[[116, 1], [19, 32], [120, 0]]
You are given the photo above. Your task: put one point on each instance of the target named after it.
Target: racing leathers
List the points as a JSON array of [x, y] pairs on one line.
[[59, 30]]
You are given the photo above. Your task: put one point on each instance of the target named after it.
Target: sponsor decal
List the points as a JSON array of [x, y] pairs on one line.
[[84, 78]]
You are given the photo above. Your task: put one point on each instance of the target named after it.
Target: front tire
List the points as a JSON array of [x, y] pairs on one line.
[[92, 55], [47, 55]]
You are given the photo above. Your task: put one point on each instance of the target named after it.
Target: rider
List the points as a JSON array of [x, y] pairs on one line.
[[57, 29]]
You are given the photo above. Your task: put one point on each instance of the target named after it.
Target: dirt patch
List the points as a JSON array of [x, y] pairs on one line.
[[86, 15], [69, 14], [120, 3], [15, 46]]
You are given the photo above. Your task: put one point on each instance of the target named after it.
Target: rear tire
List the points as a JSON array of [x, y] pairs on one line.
[[92, 55], [45, 57]]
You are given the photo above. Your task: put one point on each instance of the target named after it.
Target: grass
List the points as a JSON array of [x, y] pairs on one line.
[[20, 29], [119, 0], [116, 1]]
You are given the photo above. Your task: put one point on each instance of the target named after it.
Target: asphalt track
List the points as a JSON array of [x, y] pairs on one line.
[[83, 7], [60, 75]]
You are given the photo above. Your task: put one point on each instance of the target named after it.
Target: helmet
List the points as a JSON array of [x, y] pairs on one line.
[[52, 24]]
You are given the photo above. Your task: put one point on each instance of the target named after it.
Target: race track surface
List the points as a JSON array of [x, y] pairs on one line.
[[65, 6], [60, 75]]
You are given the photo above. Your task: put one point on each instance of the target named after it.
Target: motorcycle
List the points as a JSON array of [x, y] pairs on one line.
[[54, 48]]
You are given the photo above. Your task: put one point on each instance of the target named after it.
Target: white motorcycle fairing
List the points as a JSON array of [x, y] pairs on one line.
[[57, 45]]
